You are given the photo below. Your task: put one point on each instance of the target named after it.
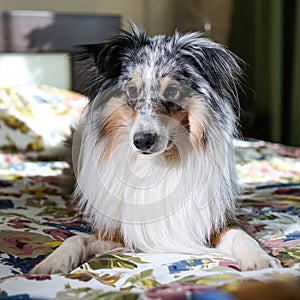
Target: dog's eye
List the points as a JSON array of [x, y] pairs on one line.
[[171, 92], [132, 91]]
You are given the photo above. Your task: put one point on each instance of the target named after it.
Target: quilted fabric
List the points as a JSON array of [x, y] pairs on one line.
[[33, 118], [37, 215]]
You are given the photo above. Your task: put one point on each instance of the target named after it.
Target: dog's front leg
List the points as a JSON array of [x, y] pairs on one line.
[[245, 249], [72, 252]]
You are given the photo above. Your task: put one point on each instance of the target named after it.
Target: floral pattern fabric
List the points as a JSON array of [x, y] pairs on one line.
[[37, 214], [33, 118]]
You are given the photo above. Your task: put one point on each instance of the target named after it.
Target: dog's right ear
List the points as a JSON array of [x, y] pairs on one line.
[[106, 57], [102, 63], [95, 67], [88, 51]]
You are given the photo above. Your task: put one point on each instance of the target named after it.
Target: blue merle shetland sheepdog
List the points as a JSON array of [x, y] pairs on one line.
[[153, 154]]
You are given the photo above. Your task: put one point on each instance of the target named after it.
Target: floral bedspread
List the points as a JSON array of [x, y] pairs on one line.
[[33, 118], [37, 214]]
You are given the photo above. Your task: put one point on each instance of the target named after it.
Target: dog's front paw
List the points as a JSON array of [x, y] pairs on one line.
[[73, 252], [246, 250], [64, 258], [259, 260], [45, 268], [52, 265]]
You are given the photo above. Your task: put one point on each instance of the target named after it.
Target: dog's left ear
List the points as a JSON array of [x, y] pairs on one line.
[[220, 68]]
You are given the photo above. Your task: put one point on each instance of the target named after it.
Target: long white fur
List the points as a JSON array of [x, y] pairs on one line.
[[175, 214]]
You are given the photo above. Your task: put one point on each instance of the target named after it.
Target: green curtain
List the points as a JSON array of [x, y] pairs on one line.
[[266, 34], [295, 107]]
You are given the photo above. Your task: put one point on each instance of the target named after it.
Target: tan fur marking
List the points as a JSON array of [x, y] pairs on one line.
[[137, 81], [183, 118], [171, 155], [196, 131], [198, 117], [164, 83], [117, 124], [110, 237], [216, 237]]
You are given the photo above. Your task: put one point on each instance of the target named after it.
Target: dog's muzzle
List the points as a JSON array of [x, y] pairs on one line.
[[144, 141], [149, 134]]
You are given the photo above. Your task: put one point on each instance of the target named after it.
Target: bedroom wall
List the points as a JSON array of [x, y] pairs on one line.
[[157, 16]]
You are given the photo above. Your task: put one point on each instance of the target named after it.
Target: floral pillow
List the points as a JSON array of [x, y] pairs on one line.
[[35, 118]]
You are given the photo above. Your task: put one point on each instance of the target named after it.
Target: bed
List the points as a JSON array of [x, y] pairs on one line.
[[37, 214]]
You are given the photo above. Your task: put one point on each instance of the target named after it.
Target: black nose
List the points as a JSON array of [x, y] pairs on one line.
[[144, 141]]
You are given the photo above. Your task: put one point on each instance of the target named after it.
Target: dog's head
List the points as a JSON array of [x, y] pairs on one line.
[[161, 92]]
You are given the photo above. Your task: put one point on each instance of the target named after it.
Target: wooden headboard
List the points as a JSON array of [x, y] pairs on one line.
[[47, 32]]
